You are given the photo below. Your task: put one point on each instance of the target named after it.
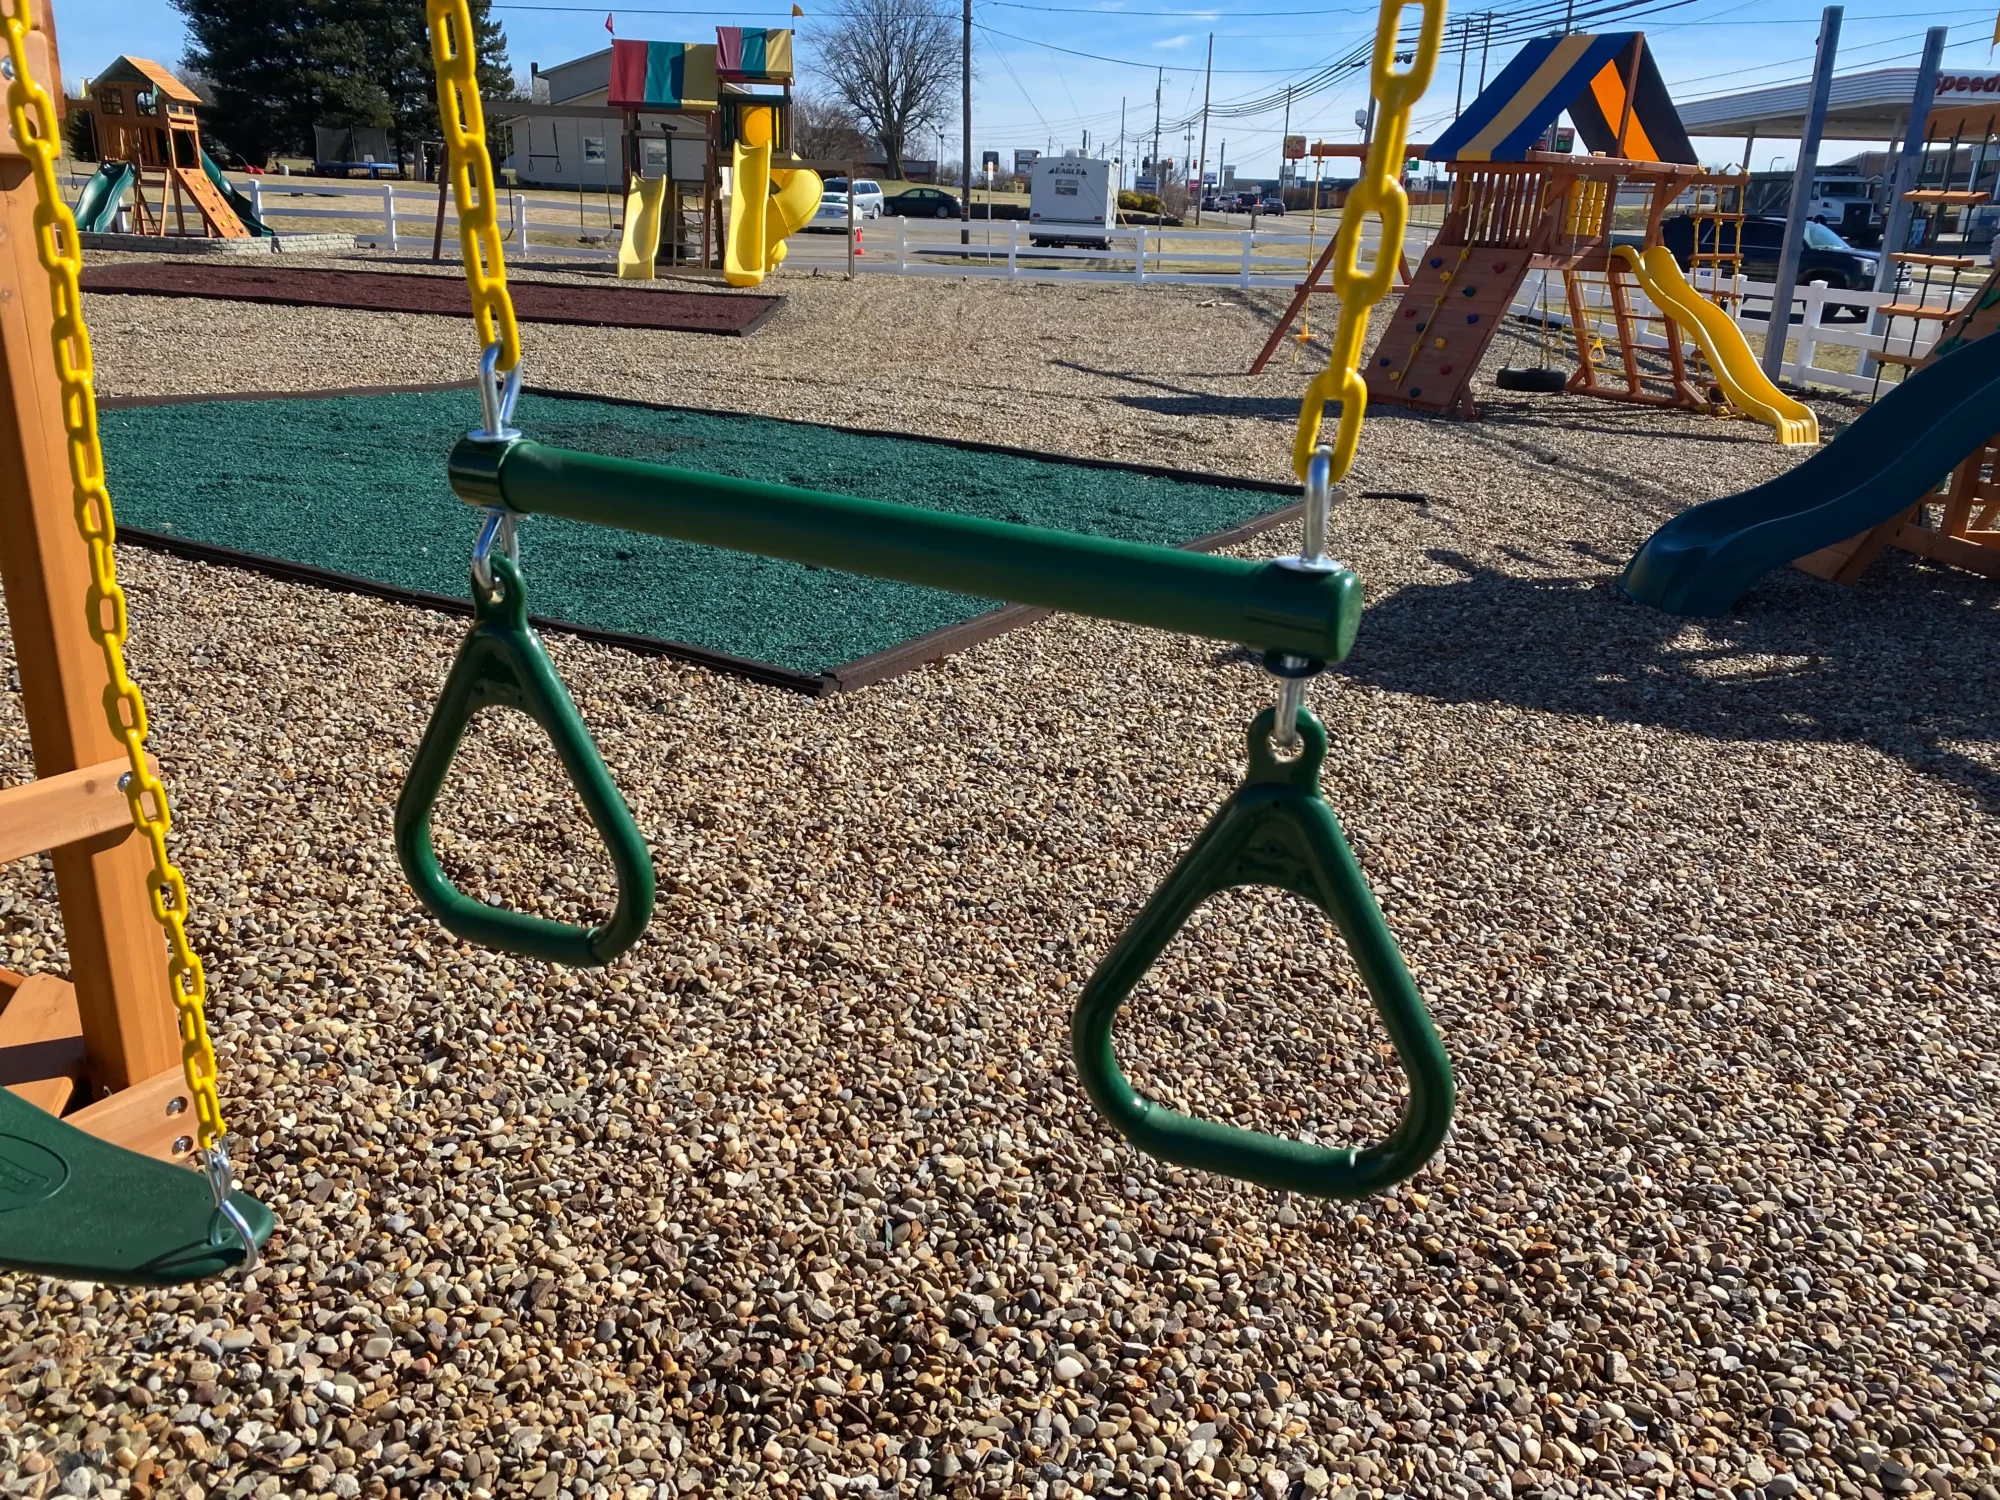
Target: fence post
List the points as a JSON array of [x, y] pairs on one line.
[[257, 198], [1246, 257], [1815, 300], [1139, 259], [901, 244], [521, 221], [389, 212], [1013, 247]]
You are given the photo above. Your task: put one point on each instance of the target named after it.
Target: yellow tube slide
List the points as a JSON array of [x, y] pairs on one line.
[[744, 254], [795, 199], [640, 249], [1722, 341], [767, 204]]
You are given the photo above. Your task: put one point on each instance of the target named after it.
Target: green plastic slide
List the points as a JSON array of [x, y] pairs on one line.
[[1886, 460], [97, 207], [238, 201]]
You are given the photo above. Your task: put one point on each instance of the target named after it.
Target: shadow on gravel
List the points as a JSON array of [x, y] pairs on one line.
[[1896, 664]]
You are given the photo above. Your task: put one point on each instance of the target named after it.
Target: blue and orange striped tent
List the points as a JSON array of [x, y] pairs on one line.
[[1586, 75]]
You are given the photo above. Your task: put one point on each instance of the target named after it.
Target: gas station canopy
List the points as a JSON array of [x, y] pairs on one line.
[[1871, 106]]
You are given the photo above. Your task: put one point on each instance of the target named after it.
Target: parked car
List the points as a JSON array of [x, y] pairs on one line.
[[922, 203], [1274, 206], [831, 217], [1824, 257], [868, 198]]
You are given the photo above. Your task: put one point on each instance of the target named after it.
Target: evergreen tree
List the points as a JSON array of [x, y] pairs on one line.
[[280, 67]]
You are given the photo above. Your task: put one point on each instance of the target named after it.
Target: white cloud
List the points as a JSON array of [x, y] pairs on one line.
[[1174, 41]]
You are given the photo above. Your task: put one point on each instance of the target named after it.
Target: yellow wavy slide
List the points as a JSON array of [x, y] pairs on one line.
[[761, 220], [639, 251], [1722, 341]]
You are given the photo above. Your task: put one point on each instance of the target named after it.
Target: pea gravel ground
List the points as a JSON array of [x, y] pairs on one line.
[[802, 1197]]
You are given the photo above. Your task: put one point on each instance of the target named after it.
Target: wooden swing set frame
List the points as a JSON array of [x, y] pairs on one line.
[[102, 1048]]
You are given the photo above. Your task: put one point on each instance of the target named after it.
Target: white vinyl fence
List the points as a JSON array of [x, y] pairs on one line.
[[407, 215], [1137, 253], [404, 215], [1824, 316]]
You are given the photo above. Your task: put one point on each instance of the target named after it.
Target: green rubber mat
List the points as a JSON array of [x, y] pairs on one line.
[[355, 485]]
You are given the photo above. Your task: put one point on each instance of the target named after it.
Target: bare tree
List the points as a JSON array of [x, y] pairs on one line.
[[893, 62], [826, 129]]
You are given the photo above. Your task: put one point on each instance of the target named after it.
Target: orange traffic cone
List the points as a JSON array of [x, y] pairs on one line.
[[858, 251]]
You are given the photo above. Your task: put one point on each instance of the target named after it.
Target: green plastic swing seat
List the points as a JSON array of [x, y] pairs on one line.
[[77, 1207]]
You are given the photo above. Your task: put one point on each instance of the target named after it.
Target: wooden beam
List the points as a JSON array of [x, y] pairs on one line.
[[41, 1043], [56, 810], [116, 950], [154, 1117]]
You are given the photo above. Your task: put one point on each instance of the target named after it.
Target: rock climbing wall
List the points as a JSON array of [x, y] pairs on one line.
[[1450, 311]]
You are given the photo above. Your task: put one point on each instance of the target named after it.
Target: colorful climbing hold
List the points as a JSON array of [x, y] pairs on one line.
[[1444, 369], [1470, 290], [1472, 317]]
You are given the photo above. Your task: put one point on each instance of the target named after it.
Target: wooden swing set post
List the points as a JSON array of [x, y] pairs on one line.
[[110, 1029]]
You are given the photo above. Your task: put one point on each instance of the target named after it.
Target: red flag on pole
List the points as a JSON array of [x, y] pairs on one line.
[[607, 24]]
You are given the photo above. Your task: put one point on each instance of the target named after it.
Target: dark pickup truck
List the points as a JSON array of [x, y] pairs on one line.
[[1824, 257]]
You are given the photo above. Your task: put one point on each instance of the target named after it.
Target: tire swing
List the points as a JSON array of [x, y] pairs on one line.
[[1543, 378]]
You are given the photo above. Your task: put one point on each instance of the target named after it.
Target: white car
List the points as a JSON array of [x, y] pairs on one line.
[[867, 196], [832, 215]]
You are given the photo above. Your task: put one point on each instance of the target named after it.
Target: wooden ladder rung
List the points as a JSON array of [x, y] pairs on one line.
[[1958, 196], [1886, 357], [1914, 310], [63, 809]]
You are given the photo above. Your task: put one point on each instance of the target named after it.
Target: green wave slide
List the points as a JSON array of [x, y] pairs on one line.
[[1886, 460], [236, 199], [97, 205]]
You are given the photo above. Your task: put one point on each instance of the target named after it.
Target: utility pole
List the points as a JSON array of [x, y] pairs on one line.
[[1159, 82], [1569, 17], [1464, 48], [1121, 143], [1485, 45], [965, 109], [1201, 163], [1779, 327]]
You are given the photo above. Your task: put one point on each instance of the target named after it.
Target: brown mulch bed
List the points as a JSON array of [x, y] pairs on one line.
[[611, 306]]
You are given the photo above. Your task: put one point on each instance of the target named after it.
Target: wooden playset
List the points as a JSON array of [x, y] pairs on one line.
[[1596, 220], [145, 120]]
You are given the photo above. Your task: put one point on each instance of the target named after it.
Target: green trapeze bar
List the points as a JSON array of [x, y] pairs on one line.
[[1263, 605]]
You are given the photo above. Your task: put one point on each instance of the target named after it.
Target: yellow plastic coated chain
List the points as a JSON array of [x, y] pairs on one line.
[[33, 116], [455, 54], [1378, 195]]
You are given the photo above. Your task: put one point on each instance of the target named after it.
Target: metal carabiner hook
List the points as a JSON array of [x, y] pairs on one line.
[[1294, 672], [222, 1182], [498, 527], [497, 395]]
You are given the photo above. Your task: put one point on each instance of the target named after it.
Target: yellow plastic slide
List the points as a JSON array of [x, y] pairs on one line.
[[640, 250], [759, 220], [1722, 341]]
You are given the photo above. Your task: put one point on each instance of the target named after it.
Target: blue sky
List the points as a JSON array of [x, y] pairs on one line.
[[1032, 89]]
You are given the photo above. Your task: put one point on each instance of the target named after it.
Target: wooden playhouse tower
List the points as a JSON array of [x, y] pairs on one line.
[[145, 120], [1516, 208]]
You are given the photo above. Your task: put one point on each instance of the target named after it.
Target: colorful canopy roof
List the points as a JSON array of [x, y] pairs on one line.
[[1585, 75], [663, 75], [753, 54]]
